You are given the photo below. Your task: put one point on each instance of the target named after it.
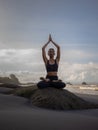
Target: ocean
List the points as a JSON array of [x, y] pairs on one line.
[[91, 89]]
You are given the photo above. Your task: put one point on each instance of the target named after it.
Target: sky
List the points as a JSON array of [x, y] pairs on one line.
[[26, 24]]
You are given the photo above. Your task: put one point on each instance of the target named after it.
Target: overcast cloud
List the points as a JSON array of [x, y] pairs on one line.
[[24, 29]]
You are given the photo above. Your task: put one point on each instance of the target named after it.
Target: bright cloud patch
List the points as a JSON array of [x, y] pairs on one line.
[[28, 62], [79, 72], [19, 60]]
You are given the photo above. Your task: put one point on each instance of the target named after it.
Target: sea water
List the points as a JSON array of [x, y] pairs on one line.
[[83, 89]]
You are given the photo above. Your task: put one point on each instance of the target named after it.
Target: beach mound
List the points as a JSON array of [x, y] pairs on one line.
[[55, 99], [59, 99]]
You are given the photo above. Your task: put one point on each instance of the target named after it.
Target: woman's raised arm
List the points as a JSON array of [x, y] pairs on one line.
[[58, 49], [44, 52]]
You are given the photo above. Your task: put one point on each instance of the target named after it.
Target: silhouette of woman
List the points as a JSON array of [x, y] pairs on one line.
[[51, 65]]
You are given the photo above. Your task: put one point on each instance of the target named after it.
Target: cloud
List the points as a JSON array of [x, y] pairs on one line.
[[29, 63], [22, 59], [79, 72], [78, 55]]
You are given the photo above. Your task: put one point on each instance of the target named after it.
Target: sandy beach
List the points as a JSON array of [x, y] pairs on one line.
[[17, 113]]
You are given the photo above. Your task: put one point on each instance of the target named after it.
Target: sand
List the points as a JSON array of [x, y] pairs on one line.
[[17, 113]]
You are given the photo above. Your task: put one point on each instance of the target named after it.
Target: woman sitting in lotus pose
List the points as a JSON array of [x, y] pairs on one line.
[[51, 65]]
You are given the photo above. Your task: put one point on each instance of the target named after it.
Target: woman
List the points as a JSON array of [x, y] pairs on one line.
[[51, 65]]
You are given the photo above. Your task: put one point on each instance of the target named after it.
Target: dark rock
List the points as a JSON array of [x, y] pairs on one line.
[[10, 80], [84, 83], [14, 79], [69, 83]]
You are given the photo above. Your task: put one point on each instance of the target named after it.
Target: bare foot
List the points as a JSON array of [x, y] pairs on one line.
[[44, 79], [47, 80]]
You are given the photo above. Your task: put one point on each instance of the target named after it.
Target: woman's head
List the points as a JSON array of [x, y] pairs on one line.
[[51, 52]]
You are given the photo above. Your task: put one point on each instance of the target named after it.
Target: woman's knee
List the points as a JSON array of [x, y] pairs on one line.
[[60, 85], [42, 84], [63, 84]]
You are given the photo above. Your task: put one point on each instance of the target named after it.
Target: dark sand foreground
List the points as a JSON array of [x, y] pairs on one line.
[[16, 113]]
